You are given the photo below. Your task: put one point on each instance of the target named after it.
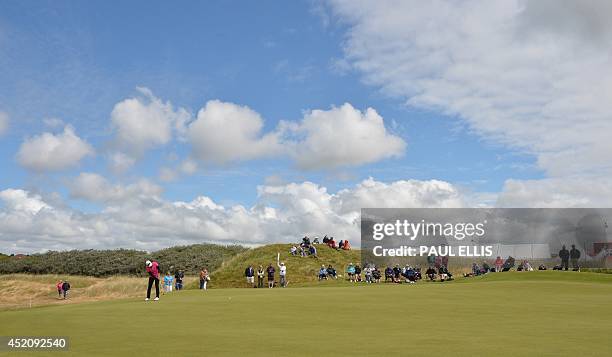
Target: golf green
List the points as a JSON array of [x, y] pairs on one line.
[[521, 314]]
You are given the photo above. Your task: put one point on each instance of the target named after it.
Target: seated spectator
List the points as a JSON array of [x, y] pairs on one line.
[[389, 274], [508, 264], [346, 245], [410, 275], [293, 250], [341, 244], [542, 267], [486, 268], [316, 240], [332, 243], [527, 266], [444, 273], [323, 273], [331, 272], [431, 273], [325, 239], [376, 275], [397, 272], [417, 273], [313, 251], [306, 241]]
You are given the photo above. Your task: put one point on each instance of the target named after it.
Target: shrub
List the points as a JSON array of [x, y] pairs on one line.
[[120, 261]]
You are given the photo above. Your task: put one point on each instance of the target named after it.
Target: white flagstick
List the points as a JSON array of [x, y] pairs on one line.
[[278, 257]]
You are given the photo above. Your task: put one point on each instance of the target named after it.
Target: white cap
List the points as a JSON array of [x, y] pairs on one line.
[[148, 263]]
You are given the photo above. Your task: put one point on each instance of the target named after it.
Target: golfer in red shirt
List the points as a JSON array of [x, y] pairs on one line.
[[153, 270]]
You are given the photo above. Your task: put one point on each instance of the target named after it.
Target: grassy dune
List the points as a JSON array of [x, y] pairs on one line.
[[300, 270], [507, 314]]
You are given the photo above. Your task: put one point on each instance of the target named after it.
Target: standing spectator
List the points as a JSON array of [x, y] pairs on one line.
[[168, 279], [574, 256], [499, 263], [260, 277], [445, 260], [270, 270], [65, 289], [368, 274], [350, 271], [438, 262], [153, 271], [204, 278], [249, 272], [282, 270], [431, 259], [564, 254], [358, 273], [59, 288], [475, 269], [178, 279]]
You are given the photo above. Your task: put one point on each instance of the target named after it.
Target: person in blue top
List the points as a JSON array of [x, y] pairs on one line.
[[350, 271], [323, 273], [168, 279]]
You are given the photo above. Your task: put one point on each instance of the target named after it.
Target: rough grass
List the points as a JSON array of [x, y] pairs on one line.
[[505, 314], [24, 290]]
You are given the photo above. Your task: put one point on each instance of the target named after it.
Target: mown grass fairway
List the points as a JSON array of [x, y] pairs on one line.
[[521, 314]]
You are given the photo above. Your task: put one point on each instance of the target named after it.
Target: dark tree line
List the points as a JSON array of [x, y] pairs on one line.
[[120, 261]]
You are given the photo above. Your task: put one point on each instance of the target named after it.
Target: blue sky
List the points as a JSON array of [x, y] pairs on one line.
[[75, 61]]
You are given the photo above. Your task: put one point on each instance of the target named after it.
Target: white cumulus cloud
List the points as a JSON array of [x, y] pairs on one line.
[[96, 188], [224, 132], [136, 216], [145, 122], [52, 152], [343, 136]]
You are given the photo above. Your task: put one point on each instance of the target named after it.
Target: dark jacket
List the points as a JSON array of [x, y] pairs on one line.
[[249, 272], [564, 254], [66, 286], [574, 253], [271, 272], [179, 277]]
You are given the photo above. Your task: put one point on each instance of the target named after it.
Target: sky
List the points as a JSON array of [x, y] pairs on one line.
[[146, 124]]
